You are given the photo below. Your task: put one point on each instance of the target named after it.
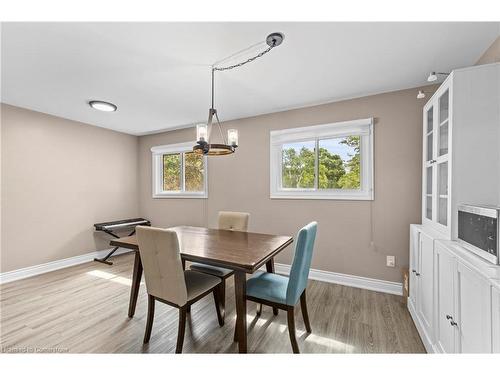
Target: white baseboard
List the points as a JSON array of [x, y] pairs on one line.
[[348, 280], [23, 273], [326, 276]]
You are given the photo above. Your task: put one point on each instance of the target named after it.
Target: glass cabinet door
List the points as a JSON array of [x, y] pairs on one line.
[[428, 192], [442, 158], [442, 193], [436, 159], [442, 132], [430, 134], [429, 169]]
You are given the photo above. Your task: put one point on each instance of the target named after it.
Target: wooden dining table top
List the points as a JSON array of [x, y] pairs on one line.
[[244, 251]]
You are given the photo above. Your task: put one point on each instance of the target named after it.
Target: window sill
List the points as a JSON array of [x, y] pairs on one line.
[[339, 197], [180, 195]]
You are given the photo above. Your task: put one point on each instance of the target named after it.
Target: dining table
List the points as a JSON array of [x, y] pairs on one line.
[[243, 252]]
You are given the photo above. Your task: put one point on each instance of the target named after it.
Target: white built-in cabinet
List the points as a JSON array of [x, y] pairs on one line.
[[445, 301], [461, 146], [425, 279], [495, 317], [454, 296], [454, 300], [463, 306]]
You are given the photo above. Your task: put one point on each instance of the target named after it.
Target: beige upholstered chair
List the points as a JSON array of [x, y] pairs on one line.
[[167, 282], [237, 221]]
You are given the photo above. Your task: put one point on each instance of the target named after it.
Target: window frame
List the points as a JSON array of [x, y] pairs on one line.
[[362, 128], [157, 154]]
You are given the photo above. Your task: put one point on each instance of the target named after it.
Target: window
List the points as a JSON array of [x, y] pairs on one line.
[[178, 172], [332, 161]]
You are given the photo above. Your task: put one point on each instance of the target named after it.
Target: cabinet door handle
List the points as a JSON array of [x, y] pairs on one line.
[[414, 271], [417, 274], [449, 317], [453, 323]]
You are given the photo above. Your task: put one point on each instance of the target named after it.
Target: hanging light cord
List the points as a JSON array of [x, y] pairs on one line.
[[229, 67], [220, 69]]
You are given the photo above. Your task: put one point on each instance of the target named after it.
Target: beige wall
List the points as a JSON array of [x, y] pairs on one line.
[[354, 237], [58, 178], [492, 54]]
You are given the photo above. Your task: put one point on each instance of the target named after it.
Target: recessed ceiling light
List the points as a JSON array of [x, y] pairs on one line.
[[102, 106]]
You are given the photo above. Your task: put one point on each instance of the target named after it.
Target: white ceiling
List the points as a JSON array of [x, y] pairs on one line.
[[158, 74]]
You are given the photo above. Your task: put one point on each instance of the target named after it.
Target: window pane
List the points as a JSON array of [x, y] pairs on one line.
[[430, 124], [172, 172], [298, 165], [443, 107], [193, 171], [339, 163]]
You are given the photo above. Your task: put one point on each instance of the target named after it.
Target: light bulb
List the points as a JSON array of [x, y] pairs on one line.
[[420, 94], [232, 137], [201, 133]]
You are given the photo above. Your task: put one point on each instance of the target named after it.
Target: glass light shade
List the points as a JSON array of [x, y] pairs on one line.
[[420, 94], [232, 137], [432, 77], [202, 133]]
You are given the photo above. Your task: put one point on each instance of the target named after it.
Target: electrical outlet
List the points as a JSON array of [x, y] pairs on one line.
[[391, 261]]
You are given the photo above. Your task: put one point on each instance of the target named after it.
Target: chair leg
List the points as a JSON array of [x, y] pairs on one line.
[[259, 309], [216, 293], [235, 337], [188, 309], [305, 315], [182, 328], [222, 295], [291, 330], [151, 316]]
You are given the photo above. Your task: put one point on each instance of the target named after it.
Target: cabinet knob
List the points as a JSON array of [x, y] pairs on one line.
[[417, 274], [414, 271], [453, 323], [449, 317]]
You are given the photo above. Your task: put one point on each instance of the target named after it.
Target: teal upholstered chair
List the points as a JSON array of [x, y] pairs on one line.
[[284, 292]]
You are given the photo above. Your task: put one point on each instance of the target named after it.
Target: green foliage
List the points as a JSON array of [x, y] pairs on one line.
[[352, 179], [298, 169], [331, 170], [333, 173], [171, 172], [193, 172]]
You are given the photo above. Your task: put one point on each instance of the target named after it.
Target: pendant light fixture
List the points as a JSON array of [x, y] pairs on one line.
[[433, 76], [204, 131]]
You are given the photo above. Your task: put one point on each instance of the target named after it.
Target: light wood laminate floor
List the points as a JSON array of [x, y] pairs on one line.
[[83, 309]]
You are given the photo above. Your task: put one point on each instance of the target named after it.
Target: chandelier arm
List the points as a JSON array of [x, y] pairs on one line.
[[213, 79], [220, 129]]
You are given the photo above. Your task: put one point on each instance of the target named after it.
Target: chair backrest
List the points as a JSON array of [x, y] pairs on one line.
[[161, 260], [301, 263], [237, 221]]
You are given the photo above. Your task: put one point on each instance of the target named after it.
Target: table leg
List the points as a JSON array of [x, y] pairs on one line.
[[136, 282], [240, 288], [270, 269]]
